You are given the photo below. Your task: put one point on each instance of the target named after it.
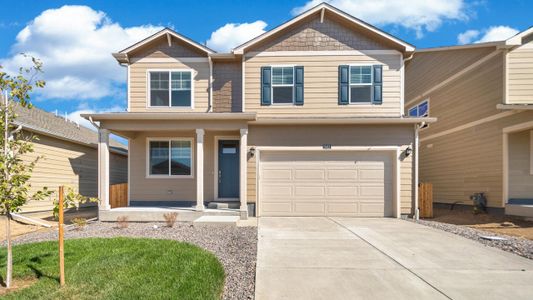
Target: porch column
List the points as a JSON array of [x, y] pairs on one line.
[[243, 165], [200, 169], [103, 169]]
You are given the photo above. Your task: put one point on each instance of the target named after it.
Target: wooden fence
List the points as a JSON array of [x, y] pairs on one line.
[[118, 195], [425, 200]]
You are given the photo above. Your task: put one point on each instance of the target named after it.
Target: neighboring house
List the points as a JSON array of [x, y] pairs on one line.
[[304, 120], [68, 154], [482, 95]]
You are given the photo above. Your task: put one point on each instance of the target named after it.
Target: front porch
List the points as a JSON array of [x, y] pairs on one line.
[[192, 167]]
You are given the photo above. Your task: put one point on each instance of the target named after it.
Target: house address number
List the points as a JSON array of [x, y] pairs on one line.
[[326, 146]]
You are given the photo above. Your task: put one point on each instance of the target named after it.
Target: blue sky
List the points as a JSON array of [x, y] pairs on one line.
[[75, 38]]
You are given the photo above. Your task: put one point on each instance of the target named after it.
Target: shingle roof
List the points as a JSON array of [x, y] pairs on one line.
[[40, 121]]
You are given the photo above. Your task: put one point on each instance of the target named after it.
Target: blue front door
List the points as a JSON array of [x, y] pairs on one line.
[[228, 169]]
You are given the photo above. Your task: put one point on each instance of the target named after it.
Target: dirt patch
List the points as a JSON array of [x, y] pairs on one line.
[[506, 225], [17, 284], [19, 228]]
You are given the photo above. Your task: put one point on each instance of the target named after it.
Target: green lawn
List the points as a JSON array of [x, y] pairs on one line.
[[118, 268]]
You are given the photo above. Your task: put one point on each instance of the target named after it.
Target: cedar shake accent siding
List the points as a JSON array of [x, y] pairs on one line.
[[311, 35], [160, 49], [227, 87]]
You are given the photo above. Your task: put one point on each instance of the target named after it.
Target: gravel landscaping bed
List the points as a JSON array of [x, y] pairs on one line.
[[520, 246], [235, 247]]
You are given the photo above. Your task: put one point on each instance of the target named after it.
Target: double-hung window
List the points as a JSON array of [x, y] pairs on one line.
[[170, 88], [170, 157], [282, 85], [361, 84]]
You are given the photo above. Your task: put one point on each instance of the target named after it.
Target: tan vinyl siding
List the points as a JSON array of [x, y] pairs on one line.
[[520, 154], [313, 135], [227, 86], [69, 164], [172, 189], [139, 81], [471, 97], [520, 75], [427, 69], [468, 161], [321, 85]]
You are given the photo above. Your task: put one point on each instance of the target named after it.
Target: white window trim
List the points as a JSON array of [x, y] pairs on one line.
[[371, 102], [168, 139], [282, 85], [148, 94]]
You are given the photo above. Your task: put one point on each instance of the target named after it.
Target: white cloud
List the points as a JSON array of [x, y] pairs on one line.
[[467, 36], [231, 35], [497, 33], [75, 116], [491, 34], [418, 15], [75, 44]]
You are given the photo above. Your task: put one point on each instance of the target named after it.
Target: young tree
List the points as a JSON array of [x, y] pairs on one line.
[[14, 171]]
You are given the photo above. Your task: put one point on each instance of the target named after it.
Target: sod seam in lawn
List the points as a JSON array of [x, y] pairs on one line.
[[117, 268]]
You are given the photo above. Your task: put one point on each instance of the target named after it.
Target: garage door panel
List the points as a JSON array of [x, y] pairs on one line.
[[309, 208], [276, 190], [325, 184], [276, 173], [309, 174], [309, 191], [347, 191], [342, 174]]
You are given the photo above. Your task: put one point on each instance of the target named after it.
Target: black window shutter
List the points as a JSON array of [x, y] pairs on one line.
[[378, 84], [299, 85], [344, 84], [266, 97]]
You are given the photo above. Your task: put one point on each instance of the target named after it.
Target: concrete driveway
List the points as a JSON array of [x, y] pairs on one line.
[[348, 258]]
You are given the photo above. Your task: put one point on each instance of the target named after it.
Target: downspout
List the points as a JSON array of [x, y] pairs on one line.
[[210, 98], [415, 158]]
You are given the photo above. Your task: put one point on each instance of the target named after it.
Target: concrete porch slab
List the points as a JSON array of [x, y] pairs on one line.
[[156, 214]]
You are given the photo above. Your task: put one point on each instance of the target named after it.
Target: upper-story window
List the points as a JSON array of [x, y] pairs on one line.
[[420, 110], [360, 84], [282, 85], [171, 88]]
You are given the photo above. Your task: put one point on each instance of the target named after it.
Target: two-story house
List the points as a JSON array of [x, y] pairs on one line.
[[482, 95], [307, 119]]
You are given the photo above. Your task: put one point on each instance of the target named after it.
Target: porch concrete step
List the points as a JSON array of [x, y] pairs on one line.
[[224, 205], [217, 220], [156, 214]]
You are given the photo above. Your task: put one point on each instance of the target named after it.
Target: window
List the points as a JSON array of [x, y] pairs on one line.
[[420, 110], [282, 85], [170, 88], [360, 84], [170, 157]]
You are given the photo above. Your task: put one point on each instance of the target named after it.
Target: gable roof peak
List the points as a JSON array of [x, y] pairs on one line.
[[321, 7]]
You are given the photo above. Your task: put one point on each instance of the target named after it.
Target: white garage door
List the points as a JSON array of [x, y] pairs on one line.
[[325, 184]]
